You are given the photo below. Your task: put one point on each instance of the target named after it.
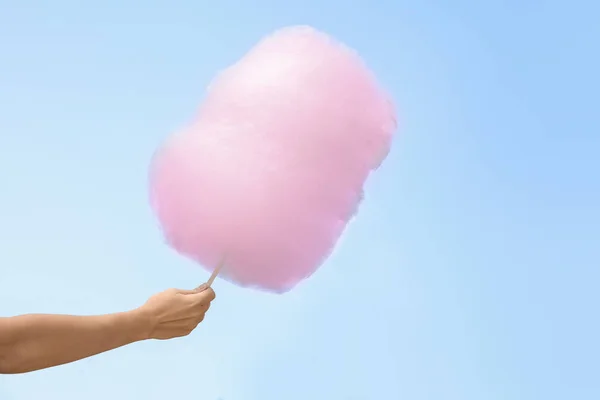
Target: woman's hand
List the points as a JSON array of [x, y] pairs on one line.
[[175, 313]]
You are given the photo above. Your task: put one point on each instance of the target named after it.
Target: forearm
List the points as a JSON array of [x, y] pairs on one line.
[[32, 342]]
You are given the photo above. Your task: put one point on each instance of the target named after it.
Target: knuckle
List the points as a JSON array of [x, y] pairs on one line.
[[210, 293]]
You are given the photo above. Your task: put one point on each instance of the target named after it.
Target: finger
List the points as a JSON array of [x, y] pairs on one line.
[[183, 291], [201, 288], [206, 296], [199, 307], [209, 293]]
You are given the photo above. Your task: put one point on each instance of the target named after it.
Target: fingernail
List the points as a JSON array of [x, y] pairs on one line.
[[201, 288]]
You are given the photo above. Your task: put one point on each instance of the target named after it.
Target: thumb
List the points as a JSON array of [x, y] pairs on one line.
[[199, 289]]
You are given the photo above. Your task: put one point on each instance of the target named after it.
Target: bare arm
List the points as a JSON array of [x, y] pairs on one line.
[[37, 341]]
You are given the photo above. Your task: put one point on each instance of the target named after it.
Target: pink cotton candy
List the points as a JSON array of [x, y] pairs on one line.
[[273, 167]]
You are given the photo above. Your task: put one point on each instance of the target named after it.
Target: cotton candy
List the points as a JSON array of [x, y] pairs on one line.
[[272, 168]]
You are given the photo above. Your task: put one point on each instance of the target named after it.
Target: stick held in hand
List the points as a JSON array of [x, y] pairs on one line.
[[215, 273]]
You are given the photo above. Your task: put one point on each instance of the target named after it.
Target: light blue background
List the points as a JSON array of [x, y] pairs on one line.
[[471, 272]]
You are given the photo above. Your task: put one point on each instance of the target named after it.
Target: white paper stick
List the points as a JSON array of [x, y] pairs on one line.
[[216, 272]]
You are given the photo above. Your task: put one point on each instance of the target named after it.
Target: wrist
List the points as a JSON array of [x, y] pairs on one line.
[[139, 324]]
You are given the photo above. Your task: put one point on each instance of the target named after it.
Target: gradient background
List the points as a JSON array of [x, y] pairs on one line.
[[471, 273]]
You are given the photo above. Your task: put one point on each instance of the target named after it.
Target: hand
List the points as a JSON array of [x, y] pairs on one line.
[[176, 313]]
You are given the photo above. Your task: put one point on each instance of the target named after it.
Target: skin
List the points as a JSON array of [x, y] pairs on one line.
[[37, 341]]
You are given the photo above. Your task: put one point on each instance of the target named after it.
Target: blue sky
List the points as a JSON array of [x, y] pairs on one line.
[[470, 273]]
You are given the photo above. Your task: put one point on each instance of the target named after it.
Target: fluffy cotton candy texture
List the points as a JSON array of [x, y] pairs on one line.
[[273, 167]]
